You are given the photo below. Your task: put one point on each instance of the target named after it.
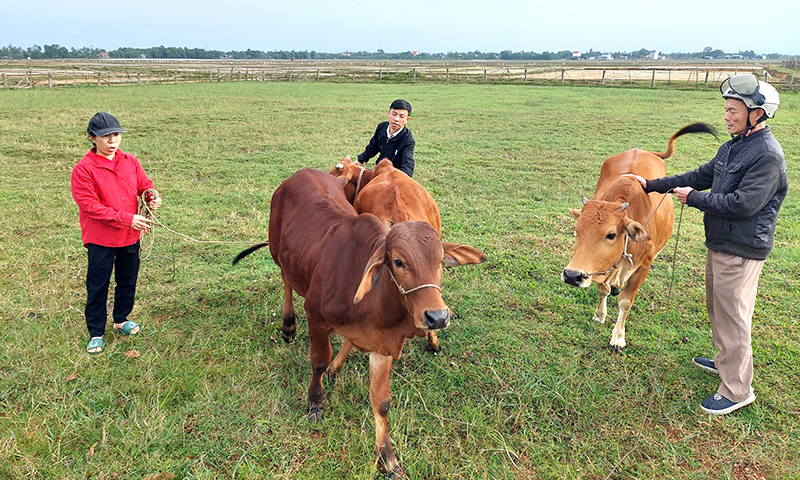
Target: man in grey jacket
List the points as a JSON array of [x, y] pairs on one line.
[[746, 183]]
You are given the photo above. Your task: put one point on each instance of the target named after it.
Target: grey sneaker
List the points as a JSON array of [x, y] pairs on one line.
[[706, 364], [718, 405]]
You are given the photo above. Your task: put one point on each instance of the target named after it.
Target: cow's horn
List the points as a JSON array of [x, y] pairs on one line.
[[585, 200], [624, 206]]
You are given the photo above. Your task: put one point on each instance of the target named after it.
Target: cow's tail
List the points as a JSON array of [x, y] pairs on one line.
[[248, 251], [692, 128]]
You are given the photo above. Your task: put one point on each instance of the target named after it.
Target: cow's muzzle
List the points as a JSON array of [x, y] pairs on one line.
[[436, 319], [575, 278]]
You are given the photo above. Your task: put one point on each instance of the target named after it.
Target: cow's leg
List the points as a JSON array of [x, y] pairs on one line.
[[289, 326], [380, 367], [336, 365], [626, 298], [600, 313], [320, 352], [433, 342]]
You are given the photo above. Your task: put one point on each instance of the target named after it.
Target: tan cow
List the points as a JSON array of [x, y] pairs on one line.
[[621, 230], [393, 197], [372, 287]]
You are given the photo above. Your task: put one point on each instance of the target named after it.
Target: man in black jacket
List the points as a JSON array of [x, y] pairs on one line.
[[747, 182], [393, 140]]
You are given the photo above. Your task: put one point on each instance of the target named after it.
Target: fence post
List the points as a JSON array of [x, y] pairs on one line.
[[210, 75], [696, 77], [49, 80], [791, 80], [669, 76], [447, 75], [525, 76], [484, 75], [239, 77], [653, 80], [562, 76], [705, 83], [380, 74], [603, 78], [176, 77], [98, 79], [290, 75], [318, 74], [5, 84], [138, 78], [414, 78], [353, 78]]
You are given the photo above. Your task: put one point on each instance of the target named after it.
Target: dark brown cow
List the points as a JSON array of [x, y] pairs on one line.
[[621, 230], [372, 287], [393, 197]]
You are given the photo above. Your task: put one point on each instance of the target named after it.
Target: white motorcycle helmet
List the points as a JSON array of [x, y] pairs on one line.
[[753, 92]]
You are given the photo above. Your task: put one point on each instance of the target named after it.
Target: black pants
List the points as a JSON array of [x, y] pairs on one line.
[[124, 261]]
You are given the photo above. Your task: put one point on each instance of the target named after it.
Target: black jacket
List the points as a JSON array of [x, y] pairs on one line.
[[748, 182], [399, 149]]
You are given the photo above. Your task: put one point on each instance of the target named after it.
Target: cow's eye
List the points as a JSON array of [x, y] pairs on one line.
[[611, 236], [398, 264]]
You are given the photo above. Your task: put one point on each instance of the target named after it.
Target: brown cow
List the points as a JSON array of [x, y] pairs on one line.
[[393, 197], [621, 230], [372, 287]]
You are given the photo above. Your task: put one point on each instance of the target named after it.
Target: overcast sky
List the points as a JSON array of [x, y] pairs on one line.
[[431, 26]]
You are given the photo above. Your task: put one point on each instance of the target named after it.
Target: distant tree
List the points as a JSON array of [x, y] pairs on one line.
[[718, 53], [707, 51]]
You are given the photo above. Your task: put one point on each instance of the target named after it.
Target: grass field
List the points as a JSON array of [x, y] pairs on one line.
[[523, 386]]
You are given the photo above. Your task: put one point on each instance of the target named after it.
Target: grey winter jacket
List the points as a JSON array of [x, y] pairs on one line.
[[748, 182]]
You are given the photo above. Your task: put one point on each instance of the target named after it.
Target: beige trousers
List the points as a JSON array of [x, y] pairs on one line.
[[731, 284]]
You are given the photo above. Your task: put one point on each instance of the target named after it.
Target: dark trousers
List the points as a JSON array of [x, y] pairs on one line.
[[124, 261]]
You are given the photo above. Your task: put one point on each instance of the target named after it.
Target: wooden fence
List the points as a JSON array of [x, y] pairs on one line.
[[677, 76]]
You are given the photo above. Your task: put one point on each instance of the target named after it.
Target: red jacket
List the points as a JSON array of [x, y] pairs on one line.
[[107, 193]]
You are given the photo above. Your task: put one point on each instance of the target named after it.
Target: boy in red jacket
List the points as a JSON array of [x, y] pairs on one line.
[[107, 185]]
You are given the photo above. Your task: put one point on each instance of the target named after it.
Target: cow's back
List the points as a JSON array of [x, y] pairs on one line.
[[394, 197], [304, 208], [643, 207]]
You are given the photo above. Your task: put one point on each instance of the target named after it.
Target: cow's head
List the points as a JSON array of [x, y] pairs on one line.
[[348, 172], [410, 262], [601, 229]]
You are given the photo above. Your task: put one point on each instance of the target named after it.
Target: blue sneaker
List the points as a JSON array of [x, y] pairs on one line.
[[718, 405], [706, 364]]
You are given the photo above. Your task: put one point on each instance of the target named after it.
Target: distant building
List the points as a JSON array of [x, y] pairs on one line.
[[103, 55], [414, 52], [576, 54], [653, 55], [606, 56]]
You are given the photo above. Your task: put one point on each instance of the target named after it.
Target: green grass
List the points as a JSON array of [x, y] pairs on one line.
[[523, 387]]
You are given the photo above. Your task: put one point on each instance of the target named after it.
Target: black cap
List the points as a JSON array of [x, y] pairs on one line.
[[103, 123], [401, 104]]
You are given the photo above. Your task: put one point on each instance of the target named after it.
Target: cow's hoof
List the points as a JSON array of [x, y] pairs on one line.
[[330, 374], [614, 291], [615, 348], [315, 414], [288, 337], [397, 473]]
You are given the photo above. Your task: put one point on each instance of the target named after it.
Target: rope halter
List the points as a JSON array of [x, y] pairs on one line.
[[625, 256], [358, 184], [406, 292]]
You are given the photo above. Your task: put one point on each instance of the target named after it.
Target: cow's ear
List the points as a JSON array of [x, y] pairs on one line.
[[372, 273], [575, 213], [455, 254], [636, 231]]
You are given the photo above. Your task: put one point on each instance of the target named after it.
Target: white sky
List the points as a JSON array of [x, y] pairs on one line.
[[431, 26]]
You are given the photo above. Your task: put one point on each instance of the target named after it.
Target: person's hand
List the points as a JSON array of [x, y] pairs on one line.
[[682, 193], [638, 178], [140, 223], [155, 203]]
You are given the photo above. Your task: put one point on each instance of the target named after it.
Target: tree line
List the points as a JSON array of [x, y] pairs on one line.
[[57, 51]]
